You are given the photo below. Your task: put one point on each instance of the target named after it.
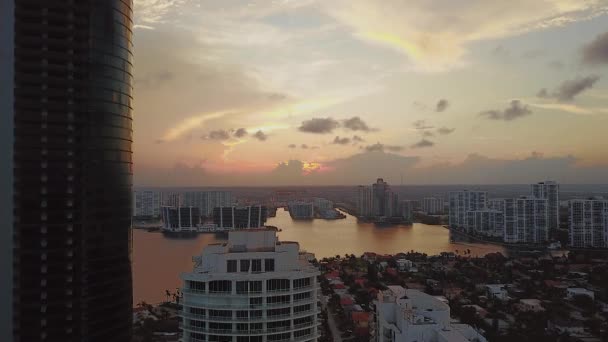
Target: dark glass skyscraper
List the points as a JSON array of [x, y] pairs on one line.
[[66, 170]]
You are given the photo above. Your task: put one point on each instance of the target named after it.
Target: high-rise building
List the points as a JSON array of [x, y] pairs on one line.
[[206, 201], [253, 288], [526, 220], [379, 201], [172, 199], [66, 166], [432, 205], [462, 201], [146, 203], [404, 315], [240, 217], [180, 219], [487, 222], [323, 204], [549, 190], [364, 201], [589, 223], [407, 210], [301, 210]]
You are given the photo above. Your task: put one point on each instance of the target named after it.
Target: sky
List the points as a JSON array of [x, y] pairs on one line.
[[340, 92]]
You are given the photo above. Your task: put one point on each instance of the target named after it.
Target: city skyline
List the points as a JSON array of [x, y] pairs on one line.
[[311, 93]]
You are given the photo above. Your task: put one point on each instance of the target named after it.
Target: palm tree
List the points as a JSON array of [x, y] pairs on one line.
[[168, 294]]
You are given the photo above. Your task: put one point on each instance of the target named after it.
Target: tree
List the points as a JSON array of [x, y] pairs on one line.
[[372, 273]]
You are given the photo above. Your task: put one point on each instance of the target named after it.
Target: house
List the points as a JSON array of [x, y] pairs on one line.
[[530, 305], [497, 291], [572, 292]]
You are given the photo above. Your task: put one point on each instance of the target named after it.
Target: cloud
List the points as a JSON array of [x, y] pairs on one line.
[[241, 132], [362, 168], [150, 12], [441, 105], [304, 146], [445, 130], [570, 88], [596, 52], [319, 125], [341, 141], [219, 134], [423, 143], [428, 134], [515, 111], [543, 93], [421, 124], [555, 64], [356, 124], [357, 138], [435, 36], [570, 108], [378, 147], [292, 146], [261, 136]]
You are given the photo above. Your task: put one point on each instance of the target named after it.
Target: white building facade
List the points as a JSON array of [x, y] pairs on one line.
[[404, 315], [253, 288], [206, 201], [432, 205], [488, 222], [460, 202], [588, 223], [146, 203], [549, 190], [526, 220]]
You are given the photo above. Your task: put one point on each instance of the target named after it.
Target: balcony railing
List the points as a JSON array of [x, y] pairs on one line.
[[248, 332]]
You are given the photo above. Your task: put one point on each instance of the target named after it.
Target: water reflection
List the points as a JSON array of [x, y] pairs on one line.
[[159, 260]]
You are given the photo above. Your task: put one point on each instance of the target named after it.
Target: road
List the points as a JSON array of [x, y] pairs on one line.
[[335, 332]]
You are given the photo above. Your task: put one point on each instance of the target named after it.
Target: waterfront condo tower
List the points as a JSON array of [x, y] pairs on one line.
[[66, 170], [549, 190], [253, 288], [588, 223]]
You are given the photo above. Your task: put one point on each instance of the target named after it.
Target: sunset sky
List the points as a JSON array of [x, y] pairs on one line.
[[312, 92]]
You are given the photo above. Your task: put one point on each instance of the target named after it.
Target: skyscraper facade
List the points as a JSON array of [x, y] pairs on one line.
[[66, 127], [460, 202], [589, 223], [146, 203], [526, 220], [364, 201], [549, 190], [206, 201], [253, 288]]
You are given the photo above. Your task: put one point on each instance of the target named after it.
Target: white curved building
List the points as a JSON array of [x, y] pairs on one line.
[[253, 288]]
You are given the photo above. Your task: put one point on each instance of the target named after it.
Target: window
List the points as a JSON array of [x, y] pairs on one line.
[[301, 296], [257, 301], [220, 286], [303, 320], [197, 285], [299, 283], [255, 314], [277, 285], [197, 311], [256, 265], [242, 315], [277, 299], [279, 337], [245, 265], [220, 314], [268, 265], [231, 266], [279, 324], [197, 324], [278, 312], [301, 308], [301, 333]]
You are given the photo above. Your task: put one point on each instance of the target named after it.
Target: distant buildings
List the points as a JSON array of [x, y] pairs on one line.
[[549, 190], [378, 201], [146, 203], [322, 204], [406, 210], [526, 220], [364, 201], [172, 199], [301, 210], [180, 219], [488, 222], [240, 217], [589, 223], [460, 202], [253, 288], [432, 205], [206, 201], [411, 315]]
